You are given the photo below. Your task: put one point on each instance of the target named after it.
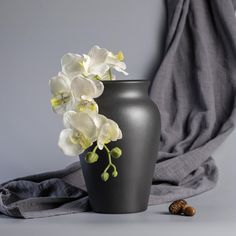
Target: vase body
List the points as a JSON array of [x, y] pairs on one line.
[[128, 104]]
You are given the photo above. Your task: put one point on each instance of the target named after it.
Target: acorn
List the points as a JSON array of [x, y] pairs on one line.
[[177, 207], [189, 210]]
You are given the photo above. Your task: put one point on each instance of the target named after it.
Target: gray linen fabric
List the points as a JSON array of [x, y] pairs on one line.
[[47, 194], [194, 88]]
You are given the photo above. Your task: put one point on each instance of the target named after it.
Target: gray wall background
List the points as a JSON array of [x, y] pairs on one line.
[[34, 34]]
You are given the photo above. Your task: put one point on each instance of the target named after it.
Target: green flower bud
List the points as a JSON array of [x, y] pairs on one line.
[[114, 173], [105, 176], [91, 157], [116, 152]]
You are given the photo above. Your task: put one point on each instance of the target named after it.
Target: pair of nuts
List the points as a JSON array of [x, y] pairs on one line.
[[180, 207]]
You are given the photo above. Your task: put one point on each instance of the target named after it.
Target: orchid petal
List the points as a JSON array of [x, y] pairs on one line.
[[99, 88], [81, 122], [59, 84], [66, 145], [72, 64], [98, 119], [114, 62], [110, 131], [62, 99], [99, 70], [98, 55], [82, 87], [86, 88]]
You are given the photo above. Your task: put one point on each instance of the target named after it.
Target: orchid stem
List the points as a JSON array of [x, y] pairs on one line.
[[110, 74], [109, 159], [95, 149], [96, 77]]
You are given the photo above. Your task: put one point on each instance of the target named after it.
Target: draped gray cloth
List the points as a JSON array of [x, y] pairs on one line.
[[194, 88]]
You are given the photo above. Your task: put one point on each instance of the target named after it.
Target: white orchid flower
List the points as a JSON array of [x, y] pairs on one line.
[[73, 93], [68, 145], [84, 91], [108, 132], [86, 88], [80, 133], [107, 129], [116, 62], [72, 65], [92, 64], [76, 94], [86, 106], [95, 61], [62, 98], [99, 120], [99, 61], [82, 122]]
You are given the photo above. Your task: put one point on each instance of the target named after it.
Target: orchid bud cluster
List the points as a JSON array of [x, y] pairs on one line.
[[74, 91]]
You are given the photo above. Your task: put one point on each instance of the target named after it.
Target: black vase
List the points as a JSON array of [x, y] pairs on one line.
[[127, 103]]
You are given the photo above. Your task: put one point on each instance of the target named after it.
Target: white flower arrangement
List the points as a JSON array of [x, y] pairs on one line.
[[73, 92]]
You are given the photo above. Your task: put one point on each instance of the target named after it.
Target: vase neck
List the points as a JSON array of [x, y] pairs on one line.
[[126, 88]]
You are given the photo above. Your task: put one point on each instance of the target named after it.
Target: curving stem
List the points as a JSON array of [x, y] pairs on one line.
[[109, 159]]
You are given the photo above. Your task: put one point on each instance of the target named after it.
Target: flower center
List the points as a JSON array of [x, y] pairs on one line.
[[60, 99], [120, 56], [79, 138], [85, 104]]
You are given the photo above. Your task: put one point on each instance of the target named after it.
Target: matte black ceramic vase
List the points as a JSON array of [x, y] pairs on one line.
[[127, 103]]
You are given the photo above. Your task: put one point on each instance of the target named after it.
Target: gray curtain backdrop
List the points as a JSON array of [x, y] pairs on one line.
[[195, 91]]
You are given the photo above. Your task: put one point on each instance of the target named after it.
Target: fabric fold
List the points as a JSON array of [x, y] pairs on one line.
[[194, 89]]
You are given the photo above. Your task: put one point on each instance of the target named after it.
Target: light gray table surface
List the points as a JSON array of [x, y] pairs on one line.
[[211, 218], [216, 214]]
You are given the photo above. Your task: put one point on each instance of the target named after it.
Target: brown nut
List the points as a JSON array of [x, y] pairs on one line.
[[177, 206], [189, 210]]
